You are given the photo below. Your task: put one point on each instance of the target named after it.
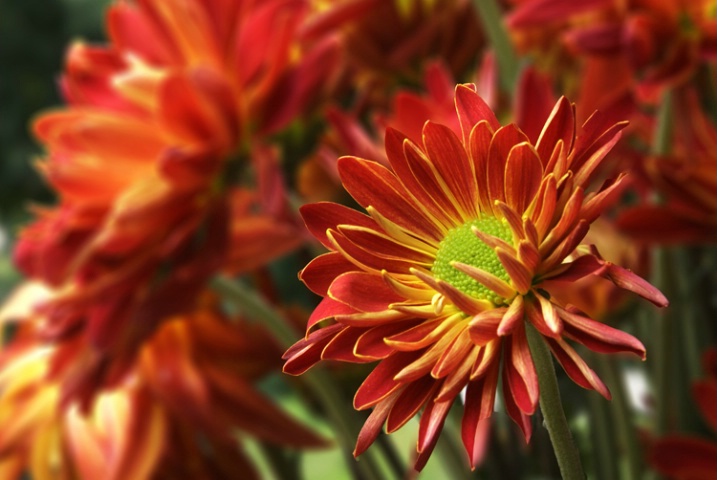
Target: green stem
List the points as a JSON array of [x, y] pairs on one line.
[[551, 406], [345, 421], [600, 424], [661, 344], [625, 432], [494, 26], [662, 142]]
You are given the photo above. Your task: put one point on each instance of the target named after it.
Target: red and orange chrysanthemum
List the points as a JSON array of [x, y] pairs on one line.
[[439, 281], [175, 413], [150, 161]]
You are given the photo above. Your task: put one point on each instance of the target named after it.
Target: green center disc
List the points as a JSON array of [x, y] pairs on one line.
[[462, 245]]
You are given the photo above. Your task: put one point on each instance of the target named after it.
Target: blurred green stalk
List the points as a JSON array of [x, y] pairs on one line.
[[494, 26], [346, 421]]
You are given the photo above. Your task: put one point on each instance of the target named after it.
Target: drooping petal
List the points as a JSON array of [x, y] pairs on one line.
[[576, 368]]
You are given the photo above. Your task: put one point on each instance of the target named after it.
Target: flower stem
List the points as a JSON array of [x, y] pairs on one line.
[[494, 26], [345, 421], [626, 438], [566, 452]]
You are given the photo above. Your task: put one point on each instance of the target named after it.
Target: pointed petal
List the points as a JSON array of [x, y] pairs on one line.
[[576, 368], [559, 126], [409, 402], [380, 383], [322, 216], [372, 426], [363, 291], [318, 274], [550, 315], [429, 429], [451, 161], [598, 336], [520, 372], [520, 277], [512, 317], [523, 174], [472, 109], [370, 183], [478, 148], [487, 279]]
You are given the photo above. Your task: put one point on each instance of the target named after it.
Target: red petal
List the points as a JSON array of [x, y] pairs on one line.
[[559, 126], [341, 347], [429, 429], [306, 353], [372, 184], [684, 457], [409, 402], [406, 163], [322, 270], [451, 161], [372, 426], [472, 110], [512, 317], [520, 373], [479, 146], [380, 383], [523, 175], [628, 280], [327, 308], [576, 368], [322, 216], [599, 337], [483, 327]]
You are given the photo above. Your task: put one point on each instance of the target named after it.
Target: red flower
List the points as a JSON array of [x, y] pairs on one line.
[[173, 414], [439, 281], [148, 209]]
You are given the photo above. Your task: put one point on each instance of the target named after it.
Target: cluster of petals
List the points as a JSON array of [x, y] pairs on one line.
[[383, 40], [659, 42], [384, 302], [141, 160], [173, 414], [685, 180]]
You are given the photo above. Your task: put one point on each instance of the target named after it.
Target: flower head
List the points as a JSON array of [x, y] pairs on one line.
[[173, 413], [441, 277], [140, 160]]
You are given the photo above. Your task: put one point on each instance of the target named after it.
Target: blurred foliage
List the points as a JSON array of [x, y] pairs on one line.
[[35, 34]]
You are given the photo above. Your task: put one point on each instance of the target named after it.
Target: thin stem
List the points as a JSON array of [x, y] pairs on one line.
[[624, 428], [605, 466], [345, 421], [551, 406], [662, 351], [494, 26]]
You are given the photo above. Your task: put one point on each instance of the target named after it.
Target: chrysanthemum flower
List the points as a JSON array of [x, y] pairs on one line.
[[684, 180], [642, 43], [440, 279], [383, 40], [174, 414], [144, 162]]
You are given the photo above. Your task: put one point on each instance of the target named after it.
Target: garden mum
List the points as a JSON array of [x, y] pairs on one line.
[[454, 262]]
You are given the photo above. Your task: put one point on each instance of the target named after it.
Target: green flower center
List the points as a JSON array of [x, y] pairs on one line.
[[462, 245]]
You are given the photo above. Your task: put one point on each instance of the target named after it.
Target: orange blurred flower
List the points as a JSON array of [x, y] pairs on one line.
[[455, 256], [147, 162], [621, 48], [685, 180], [173, 414], [388, 40]]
